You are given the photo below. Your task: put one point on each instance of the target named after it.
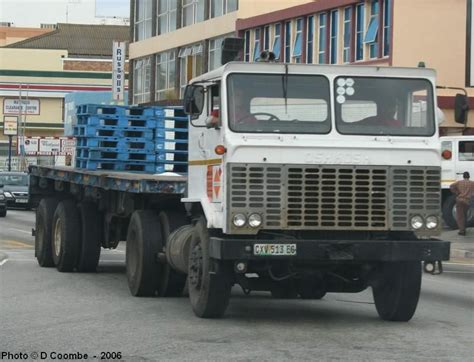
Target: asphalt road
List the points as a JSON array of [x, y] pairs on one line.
[[42, 310]]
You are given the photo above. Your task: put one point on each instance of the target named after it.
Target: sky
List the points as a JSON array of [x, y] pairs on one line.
[[31, 13]]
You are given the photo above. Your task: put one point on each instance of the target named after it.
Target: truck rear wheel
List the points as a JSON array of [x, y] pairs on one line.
[[43, 231], [66, 236], [208, 280], [397, 291], [142, 248], [172, 282], [3, 213], [91, 238]]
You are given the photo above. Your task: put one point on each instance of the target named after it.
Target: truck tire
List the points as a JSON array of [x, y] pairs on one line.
[[172, 282], [449, 206], [43, 231], [66, 236], [91, 238], [397, 291], [208, 280], [142, 248], [3, 213]]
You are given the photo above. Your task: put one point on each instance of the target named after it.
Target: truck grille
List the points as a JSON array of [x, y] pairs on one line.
[[333, 197]]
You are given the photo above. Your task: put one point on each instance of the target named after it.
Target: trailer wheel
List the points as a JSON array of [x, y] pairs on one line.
[[397, 291], [172, 282], [43, 234], [66, 236], [91, 237], [3, 213], [142, 248], [208, 280]]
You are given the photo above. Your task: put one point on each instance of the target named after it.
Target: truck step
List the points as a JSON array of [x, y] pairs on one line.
[[115, 142], [112, 131], [115, 120]]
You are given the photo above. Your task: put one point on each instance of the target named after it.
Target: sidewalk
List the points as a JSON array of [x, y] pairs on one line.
[[462, 247]]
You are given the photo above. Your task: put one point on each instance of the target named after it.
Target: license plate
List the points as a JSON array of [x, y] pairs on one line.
[[21, 201], [274, 249]]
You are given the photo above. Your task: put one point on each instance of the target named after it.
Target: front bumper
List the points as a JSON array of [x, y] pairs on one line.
[[18, 202], [336, 250]]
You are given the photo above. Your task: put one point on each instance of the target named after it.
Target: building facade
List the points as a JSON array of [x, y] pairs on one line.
[[175, 41], [39, 72]]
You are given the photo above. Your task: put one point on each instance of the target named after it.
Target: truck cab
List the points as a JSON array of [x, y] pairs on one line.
[[308, 179]]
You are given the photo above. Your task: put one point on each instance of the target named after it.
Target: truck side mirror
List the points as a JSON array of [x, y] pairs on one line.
[[461, 108], [193, 100]]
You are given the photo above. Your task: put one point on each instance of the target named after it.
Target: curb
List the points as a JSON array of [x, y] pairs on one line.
[[460, 253]]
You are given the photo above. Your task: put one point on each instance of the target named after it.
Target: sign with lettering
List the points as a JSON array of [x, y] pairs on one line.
[[28, 106], [46, 146], [10, 125], [118, 70]]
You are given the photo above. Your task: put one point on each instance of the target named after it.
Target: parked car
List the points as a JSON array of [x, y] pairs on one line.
[[15, 189], [3, 203]]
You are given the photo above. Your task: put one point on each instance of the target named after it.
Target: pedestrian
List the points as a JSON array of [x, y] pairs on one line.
[[464, 191]]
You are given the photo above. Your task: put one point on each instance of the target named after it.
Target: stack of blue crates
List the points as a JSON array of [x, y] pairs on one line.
[[131, 139]]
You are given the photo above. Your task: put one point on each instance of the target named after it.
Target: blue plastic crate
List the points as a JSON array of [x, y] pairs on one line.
[[116, 142], [102, 155], [116, 121], [112, 131], [172, 156], [128, 166], [169, 167]]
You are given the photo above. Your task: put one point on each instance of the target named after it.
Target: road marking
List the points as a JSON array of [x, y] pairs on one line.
[[21, 231], [3, 261], [17, 243]]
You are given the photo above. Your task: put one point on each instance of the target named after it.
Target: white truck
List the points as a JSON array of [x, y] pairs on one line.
[[457, 157], [303, 180]]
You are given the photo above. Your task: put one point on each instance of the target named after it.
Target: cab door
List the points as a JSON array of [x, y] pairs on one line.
[[464, 157]]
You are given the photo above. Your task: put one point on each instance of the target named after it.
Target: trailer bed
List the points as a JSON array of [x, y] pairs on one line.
[[137, 183]]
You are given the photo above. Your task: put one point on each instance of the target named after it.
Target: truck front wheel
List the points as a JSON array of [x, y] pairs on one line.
[[142, 248], [397, 290], [208, 280]]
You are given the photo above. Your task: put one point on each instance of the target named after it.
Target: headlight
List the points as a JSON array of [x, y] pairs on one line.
[[432, 222], [417, 222], [7, 194], [239, 220], [255, 220]]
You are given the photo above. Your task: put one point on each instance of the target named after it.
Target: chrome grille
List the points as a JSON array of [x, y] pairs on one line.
[[333, 197]]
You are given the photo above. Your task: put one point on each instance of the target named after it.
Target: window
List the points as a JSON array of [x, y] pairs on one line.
[[221, 7], [334, 40], [143, 19], [386, 27], [256, 45], [190, 64], [165, 76], [346, 55], [215, 53], [247, 46], [287, 41], [466, 151], [384, 106], [360, 26], [297, 46], [371, 36], [278, 104], [266, 38], [277, 41], [166, 16], [141, 80], [322, 38], [310, 40], [192, 12]]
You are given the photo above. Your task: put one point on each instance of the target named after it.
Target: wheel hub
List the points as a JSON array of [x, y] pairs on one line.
[[195, 267], [57, 237]]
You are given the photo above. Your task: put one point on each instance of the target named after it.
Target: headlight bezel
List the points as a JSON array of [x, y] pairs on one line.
[[243, 220], [420, 220], [255, 217], [434, 220]]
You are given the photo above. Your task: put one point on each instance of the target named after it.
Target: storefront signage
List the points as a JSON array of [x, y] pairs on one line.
[[10, 125], [118, 70], [28, 106], [47, 146]]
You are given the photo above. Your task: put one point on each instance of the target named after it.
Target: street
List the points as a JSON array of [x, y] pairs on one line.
[[42, 310]]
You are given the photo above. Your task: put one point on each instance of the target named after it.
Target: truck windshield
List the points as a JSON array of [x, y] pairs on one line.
[[276, 103], [384, 106]]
